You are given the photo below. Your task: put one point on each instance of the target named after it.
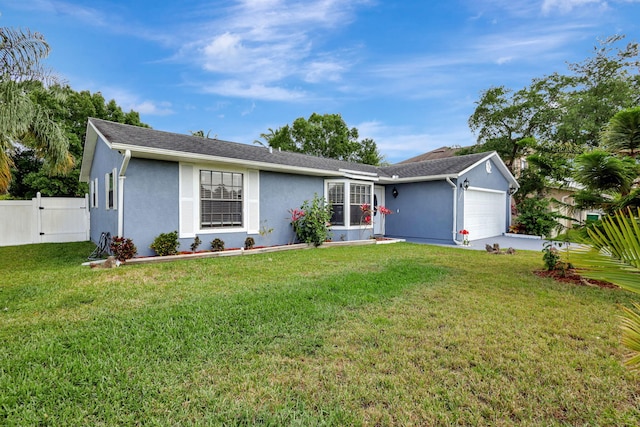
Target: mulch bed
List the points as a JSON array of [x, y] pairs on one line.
[[573, 277]]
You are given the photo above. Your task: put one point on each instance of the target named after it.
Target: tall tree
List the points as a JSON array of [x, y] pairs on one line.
[[558, 116], [508, 122], [21, 120], [622, 133], [605, 178], [324, 136], [70, 111], [595, 90]]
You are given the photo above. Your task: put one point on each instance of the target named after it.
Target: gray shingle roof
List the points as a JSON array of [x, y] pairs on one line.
[[149, 139]]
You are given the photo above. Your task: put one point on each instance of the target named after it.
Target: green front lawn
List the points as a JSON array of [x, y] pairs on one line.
[[397, 334]]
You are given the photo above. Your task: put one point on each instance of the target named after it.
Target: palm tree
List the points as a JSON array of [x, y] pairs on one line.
[[22, 121], [614, 256], [622, 133], [601, 171]]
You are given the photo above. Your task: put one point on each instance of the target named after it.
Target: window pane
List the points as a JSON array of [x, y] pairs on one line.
[[335, 196], [220, 199], [360, 194]]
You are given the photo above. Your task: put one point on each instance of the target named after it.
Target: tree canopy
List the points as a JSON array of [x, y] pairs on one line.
[[561, 116], [70, 110], [24, 122], [324, 136]]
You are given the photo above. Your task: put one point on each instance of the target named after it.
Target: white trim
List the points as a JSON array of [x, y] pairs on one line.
[[97, 193], [499, 163], [113, 180], [347, 202], [142, 152], [252, 201], [92, 193], [371, 174], [189, 206], [106, 191], [486, 190]]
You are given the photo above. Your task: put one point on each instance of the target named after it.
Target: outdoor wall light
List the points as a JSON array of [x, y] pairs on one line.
[[465, 184], [512, 190], [394, 192]]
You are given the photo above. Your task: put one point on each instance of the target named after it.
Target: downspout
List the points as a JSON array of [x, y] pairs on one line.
[[121, 177], [454, 233]]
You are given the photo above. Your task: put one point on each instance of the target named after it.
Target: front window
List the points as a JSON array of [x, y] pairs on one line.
[[350, 203], [360, 194], [335, 192], [220, 199]]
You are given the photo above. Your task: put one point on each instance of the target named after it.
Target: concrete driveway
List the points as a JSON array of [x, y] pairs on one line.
[[518, 243]]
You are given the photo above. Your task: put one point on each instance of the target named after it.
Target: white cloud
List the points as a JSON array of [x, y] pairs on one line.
[[263, 43], [130, 101], [152, 108], [241, 89], [398, 143], [566, 6]]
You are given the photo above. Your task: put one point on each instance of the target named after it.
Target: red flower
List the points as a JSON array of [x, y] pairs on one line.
[[464, 232], [367, 219], [296, 214], [384, 210], [365, 207]]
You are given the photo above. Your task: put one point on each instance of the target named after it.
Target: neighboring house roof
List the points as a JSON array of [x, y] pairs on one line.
[[152, 144], [438, 153]]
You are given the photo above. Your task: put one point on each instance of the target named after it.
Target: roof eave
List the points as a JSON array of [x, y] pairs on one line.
[[90, 142], [391, 180], [142, 152]]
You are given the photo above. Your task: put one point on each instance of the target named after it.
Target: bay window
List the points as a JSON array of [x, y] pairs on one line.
[[346, 200]]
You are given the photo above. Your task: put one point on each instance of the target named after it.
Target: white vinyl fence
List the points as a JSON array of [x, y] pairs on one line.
[[44, 220]]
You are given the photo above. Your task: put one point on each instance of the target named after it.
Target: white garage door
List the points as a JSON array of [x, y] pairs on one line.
[[484, 213]]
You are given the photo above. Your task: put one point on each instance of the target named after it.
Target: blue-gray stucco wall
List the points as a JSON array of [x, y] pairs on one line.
[[422, 210], [101, 219], [151, 196], [280, 192]]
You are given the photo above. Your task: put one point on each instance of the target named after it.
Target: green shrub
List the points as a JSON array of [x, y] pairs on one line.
[[311, 221], [249, 243], [217, 245], [550, 256], [534, 217], [166, 244], [196, 243], [123, 248]]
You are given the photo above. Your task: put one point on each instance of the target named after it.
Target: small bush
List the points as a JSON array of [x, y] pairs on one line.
[[535, 218], [123, 248], [196, 243], [249, 243], [217, 245], [166, 244], [550, 256], [311, 221]]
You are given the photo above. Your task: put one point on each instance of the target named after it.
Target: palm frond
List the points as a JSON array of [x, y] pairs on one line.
[[631, 334], [614, 254], [21, 52]]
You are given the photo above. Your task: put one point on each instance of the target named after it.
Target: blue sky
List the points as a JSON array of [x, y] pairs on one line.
[[406, 73]]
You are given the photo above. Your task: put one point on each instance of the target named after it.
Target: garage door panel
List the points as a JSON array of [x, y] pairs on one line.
[[484, 213]]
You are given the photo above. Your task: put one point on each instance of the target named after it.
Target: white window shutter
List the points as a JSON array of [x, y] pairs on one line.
[[96, 194], [92, 194], [253, 201], [188, 202], [114, 178], [106, 191]]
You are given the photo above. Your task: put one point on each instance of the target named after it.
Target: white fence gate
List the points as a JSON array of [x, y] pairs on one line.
[[44, 220]]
